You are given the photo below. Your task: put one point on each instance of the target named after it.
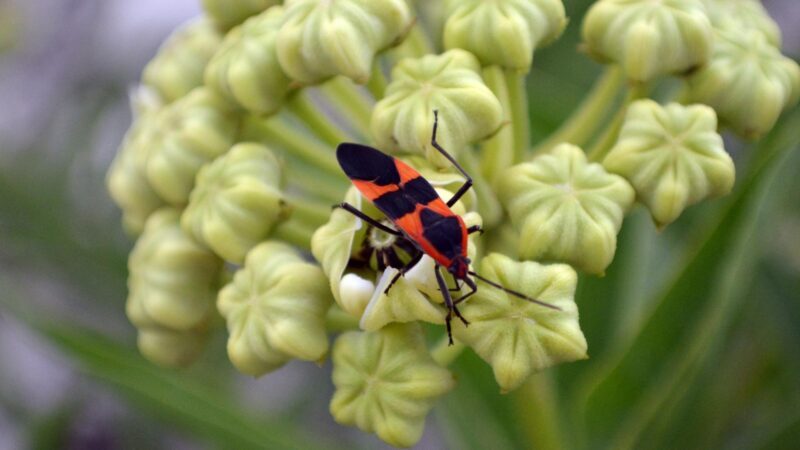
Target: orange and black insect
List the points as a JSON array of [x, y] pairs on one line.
[[421, 217]]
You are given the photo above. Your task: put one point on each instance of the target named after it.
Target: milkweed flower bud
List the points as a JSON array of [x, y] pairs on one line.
[[192, 131], [126, 179], [321, 39], [275, 310], [516, 337], [450, 82], [171, 290], [566, 209], [332, 246], [743, 15], [504, 32], [748, 82], [237, 201], [672, 156], [649, 38], [386, 382], [178, 67], [245, 70], [229, 13]]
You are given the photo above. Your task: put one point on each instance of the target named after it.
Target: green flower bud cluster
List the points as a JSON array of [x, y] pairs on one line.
[[227, 175]]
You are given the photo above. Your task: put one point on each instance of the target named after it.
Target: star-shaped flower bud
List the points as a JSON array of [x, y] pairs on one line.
[[748, 82], [386, 382], [672, 156], [451, 83], [178, 67], [503, 32], [649, 38], [322, 39], [126, 179], [566, 209], [517, 337], [237, 201], [275, 310], [229, 13], [192, 131], [245, 70], [171, 288], [742, 15]]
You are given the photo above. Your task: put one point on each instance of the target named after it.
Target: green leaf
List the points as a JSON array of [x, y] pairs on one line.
[[686, 318], [174, 398]]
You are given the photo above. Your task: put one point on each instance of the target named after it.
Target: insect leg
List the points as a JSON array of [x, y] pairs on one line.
[[352, 210], [475, 229], [448, 301], [467, 184], [472, 286], [414, 260]]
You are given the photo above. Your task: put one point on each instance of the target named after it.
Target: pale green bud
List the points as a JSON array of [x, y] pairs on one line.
[[191, 132], [126, 179], [450, 82], [516, 337], [237, 201], [178, 67], [649, 38], [173, 280], [748, 82], [332, 246], [229, 13], [386, 382], [245, 70], [275, 310], [566, 209], [170, 348], [503, 32], [672, 156], [743, 14], [324, 38]]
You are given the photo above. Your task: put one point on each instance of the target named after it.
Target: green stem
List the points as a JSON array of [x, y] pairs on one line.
[[309, 213], [338, 320], [497, 152], [609, 137], [588, 117], [538, 408], [520, 115], [309, 179], [377, 81], [488, 203], [294, 232], [445, 354], [310, 113], [415, 45], [350, 102], [278, 131]]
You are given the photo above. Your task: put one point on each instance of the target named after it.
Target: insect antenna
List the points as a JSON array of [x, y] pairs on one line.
[[514, 293]]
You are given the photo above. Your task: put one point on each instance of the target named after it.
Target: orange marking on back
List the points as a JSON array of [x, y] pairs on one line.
[[407, 173], [372, 190]]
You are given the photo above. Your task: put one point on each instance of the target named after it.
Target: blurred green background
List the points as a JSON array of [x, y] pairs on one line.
[[694, 334]]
